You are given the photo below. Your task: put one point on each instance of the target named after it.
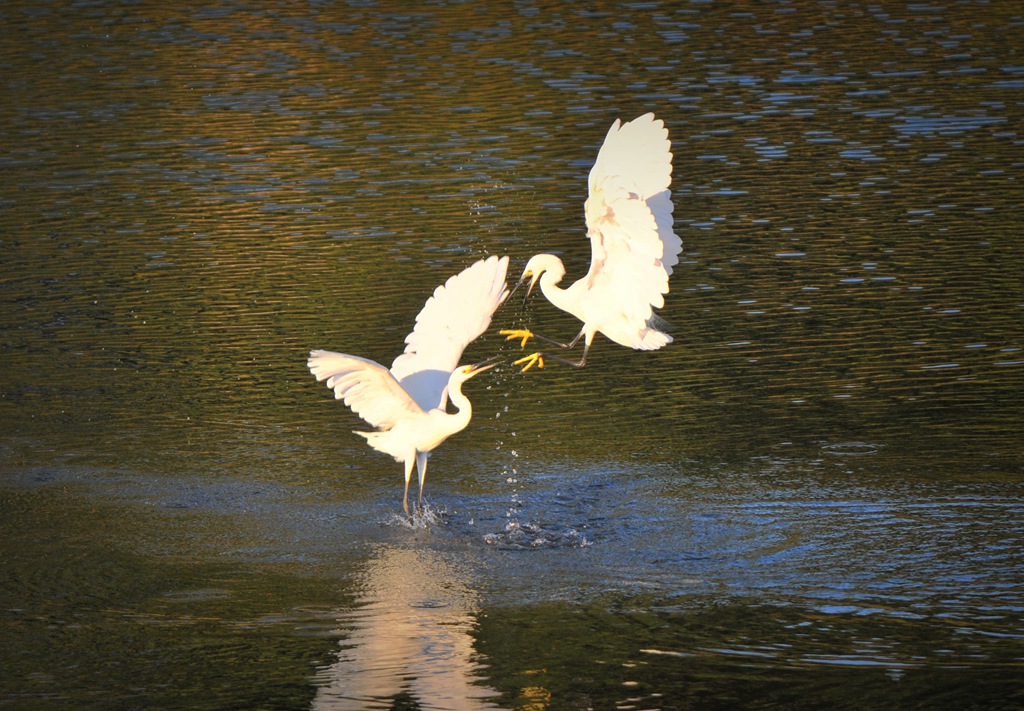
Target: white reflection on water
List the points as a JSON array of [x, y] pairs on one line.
[[411, 635]]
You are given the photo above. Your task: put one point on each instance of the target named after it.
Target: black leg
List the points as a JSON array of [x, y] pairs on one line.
[[539, 357], [564, 346]]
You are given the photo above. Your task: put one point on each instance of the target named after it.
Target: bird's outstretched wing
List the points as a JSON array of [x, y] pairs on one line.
[[637, 152], [457, 312], [629, 218], [367, 387]]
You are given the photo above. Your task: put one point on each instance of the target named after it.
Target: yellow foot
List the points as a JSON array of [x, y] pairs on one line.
[[513, 334], [531, 360]]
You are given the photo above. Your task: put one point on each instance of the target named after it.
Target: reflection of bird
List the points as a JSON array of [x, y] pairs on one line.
[[633, 247], [409, 641], [407, 403]]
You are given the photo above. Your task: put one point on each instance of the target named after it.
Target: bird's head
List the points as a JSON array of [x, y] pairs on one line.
[[538, 264]]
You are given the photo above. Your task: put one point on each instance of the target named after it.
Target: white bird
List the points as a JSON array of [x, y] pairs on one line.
[[407, 404], [633, 246]]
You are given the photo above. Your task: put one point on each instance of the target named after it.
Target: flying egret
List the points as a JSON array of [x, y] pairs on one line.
[[633, 246], [407, 404]]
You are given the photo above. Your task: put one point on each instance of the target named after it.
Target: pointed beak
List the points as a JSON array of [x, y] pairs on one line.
[[483, 365], [516, 287], [533, 281], [534, 276]]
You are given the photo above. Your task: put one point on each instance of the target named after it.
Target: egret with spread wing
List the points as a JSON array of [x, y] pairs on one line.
[[633, 246], [407, 404]]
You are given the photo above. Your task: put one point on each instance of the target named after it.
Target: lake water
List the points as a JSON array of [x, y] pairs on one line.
[[812, 499]]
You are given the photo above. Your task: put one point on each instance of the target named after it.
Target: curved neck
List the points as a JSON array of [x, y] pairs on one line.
[[465, 408], [568, 300], [551, 290]]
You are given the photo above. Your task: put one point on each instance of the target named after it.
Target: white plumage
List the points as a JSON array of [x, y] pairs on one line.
[[452, 318], [633, 246], [407, 403]]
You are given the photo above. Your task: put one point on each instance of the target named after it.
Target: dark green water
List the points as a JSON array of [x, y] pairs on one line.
[[812, 499]]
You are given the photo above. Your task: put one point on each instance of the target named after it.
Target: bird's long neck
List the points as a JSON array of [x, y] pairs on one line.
[[460, 419], [551, 290], [565, 299]]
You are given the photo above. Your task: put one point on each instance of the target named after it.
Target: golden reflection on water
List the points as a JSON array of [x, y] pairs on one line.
[[264, 183], [194, 197], [409, 637]]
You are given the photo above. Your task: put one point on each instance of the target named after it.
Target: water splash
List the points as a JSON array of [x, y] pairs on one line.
[[421, 519], [531, 536]]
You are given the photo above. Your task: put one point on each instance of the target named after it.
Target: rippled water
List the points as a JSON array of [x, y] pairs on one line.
[[811, 499]]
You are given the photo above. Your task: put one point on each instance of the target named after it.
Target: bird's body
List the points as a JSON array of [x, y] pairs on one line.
[[421, 432], [633, 246], [407, 404]]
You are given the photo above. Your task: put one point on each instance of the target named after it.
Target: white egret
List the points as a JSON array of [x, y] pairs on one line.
[[633, 246], [407, 404]]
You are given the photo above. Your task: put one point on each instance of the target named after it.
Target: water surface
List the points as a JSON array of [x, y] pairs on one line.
[[811, 499]]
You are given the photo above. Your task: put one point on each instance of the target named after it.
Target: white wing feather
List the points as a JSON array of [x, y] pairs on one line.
[[637, 152], [629, 222], [366, 386], [458, 312]]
